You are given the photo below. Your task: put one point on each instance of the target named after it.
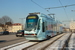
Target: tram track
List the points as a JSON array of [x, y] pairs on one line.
[[59, 44], [44, 44], [10, 42], [19, 47], [51, 43], [30, 45], [10, 46]]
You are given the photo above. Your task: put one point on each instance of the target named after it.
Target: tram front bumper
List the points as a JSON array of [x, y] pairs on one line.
[[31, 37]]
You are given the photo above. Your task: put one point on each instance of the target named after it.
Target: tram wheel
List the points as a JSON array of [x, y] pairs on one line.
[[48, 37]]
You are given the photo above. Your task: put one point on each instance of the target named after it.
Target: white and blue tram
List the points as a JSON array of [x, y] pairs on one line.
[[39, 26]]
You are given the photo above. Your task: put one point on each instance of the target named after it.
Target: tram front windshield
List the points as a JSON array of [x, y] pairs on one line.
[[31, 23]]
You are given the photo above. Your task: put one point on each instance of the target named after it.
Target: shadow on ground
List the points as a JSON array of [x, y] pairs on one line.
[[2, 41]]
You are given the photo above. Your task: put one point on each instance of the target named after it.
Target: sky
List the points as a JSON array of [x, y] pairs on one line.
[[17, 9]]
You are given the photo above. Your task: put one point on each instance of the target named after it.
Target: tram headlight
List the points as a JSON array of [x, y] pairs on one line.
[[35, 34]]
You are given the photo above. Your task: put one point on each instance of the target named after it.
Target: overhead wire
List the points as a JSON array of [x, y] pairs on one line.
[[55, 7], [40, 6], [61, 6], [64, 9]]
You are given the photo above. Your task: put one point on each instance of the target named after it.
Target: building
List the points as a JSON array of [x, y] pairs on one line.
[[72, 26], [16, 27], [1, 29], [9, 28], [13, 28]]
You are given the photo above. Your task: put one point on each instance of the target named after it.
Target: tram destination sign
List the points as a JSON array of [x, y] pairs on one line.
[[31, 17]]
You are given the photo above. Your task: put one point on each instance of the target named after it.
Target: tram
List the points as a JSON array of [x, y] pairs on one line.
[[39, 26]]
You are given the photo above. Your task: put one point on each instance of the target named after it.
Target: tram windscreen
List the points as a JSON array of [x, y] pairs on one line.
[[31, 22]]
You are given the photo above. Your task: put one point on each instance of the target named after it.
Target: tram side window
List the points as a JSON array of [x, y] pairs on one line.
[[43, 27], [46, 26]]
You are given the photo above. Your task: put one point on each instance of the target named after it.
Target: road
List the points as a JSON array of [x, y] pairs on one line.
[[6, 40], [20, 43], [29, 45]]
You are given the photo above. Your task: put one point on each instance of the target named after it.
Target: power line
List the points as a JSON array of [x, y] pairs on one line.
[[64, 9], [40, 6], [37, 4], [61, 6]]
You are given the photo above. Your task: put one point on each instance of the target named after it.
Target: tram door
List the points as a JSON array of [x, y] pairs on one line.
[[43, 28]]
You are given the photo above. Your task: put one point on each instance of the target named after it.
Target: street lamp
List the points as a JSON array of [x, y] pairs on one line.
[[22, 22]]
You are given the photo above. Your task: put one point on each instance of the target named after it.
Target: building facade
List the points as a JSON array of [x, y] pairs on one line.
[[1, 29], [16, 27], [72, 26]]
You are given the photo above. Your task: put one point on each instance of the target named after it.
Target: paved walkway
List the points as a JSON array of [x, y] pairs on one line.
[[71, 44]]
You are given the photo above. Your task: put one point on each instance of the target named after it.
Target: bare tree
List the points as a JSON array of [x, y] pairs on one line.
[[5, 21], [0, 20], [1, 23]]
